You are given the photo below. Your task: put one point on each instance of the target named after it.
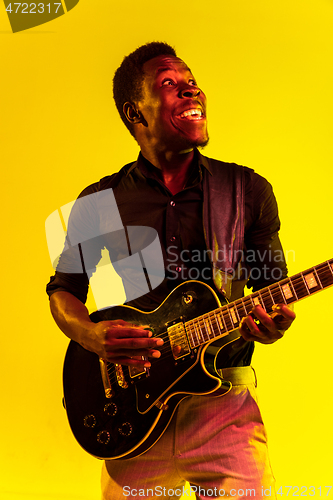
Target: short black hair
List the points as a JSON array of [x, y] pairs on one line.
[[128, 79]]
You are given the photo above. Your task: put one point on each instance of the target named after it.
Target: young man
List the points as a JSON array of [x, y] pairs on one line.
[[198, 206]]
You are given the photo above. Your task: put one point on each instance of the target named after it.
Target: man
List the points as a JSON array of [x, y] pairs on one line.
[[196, 205]]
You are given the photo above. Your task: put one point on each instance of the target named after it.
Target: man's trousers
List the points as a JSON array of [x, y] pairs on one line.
[[218, 445]]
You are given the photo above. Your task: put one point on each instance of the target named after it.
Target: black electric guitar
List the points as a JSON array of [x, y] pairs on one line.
[[117, 411]]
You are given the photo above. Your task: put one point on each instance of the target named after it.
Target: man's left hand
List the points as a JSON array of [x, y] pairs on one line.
[[264, 328]]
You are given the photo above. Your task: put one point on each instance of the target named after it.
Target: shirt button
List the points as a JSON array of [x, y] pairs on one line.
[[178, 269], [172, 203]]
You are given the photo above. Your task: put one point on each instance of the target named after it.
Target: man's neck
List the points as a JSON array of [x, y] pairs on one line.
[[174, 167]]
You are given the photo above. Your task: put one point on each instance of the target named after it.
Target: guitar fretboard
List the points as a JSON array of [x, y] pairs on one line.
[[219, 322]]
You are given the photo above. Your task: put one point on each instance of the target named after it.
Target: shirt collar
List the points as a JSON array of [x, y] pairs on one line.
[[142, 163]]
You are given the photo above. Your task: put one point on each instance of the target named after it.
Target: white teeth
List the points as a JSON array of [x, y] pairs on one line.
[[190, 112]]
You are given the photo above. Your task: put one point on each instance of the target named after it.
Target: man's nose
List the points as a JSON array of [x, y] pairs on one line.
[[190, 91]]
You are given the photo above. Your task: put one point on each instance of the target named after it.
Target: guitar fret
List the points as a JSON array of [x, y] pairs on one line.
[[223, 321], [211, 327], [325, 274], [217, 322], [321, 286], [226, 318], [220, 322], [262, 301], [232, 315], [300, 287], [239, 306], [306, 286], [278, 297], [282, 294], [207, 328], [246, 300], [256, 301], [192, 331], [270, 293], [267, 298], [236, 309], [243, 300], [295, 294], [288, 291], [232, 323], [310, 281], [199, 333], [201, 324], [330, 265]]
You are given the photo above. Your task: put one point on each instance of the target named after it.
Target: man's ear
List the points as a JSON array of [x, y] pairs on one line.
[[132, 114]]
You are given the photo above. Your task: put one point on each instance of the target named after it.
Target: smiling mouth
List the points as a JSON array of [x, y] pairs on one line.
[[192, 114]]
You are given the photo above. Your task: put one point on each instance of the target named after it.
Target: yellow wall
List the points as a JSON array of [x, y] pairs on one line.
[[267, 70]]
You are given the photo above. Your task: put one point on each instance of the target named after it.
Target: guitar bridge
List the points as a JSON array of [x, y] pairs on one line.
[[178, 340]]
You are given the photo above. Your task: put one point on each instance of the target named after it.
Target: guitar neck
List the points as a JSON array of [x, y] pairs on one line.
[[221, 321]]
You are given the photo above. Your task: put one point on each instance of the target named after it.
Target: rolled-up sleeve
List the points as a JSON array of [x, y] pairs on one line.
[[73, 271]]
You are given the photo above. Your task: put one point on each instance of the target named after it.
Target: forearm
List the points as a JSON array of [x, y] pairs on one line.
[[116, 340], [71, 316]]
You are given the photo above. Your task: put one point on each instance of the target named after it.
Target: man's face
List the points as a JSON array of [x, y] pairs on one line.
[[173, 107]]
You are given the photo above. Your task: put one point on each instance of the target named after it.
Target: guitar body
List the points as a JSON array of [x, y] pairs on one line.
[[123, 416]]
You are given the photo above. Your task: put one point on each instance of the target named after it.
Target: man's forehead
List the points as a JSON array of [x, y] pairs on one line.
[[161, 64]]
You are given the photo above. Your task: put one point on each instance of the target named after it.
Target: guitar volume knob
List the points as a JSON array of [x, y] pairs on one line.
[[103, 437], [110, 409], [125, 429], [89, 421]]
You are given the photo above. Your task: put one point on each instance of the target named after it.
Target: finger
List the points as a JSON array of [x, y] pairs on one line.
[[128, 330], [250, 330], [124, 344], [275, 323], [284, 311], [259, 314]]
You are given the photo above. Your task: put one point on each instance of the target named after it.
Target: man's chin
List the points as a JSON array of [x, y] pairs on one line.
[[201, 143]]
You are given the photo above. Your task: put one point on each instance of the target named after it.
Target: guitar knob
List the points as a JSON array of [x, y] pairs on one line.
[[125, 429], [89, 421], [103, 437], [111, 409]]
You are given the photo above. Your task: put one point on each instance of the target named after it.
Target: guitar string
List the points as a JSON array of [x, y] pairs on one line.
[[272, 292]]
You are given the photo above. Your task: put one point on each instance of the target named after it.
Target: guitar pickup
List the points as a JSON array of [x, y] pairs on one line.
[[138, 371], [178, 340]]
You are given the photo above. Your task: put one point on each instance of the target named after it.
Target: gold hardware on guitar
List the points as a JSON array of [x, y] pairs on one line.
[[105, 378], [120, 376], [161, 406]]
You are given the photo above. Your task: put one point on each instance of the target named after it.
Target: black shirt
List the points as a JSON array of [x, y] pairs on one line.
[[143, 200]]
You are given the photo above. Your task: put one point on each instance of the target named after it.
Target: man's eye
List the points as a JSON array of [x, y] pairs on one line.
[[168, 81], [192, 82]]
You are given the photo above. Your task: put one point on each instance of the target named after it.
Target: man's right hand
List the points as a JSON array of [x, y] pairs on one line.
[[124, 343], [115, 341]]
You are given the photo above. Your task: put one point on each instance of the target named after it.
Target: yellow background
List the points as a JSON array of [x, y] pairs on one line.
[[267, 70]]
